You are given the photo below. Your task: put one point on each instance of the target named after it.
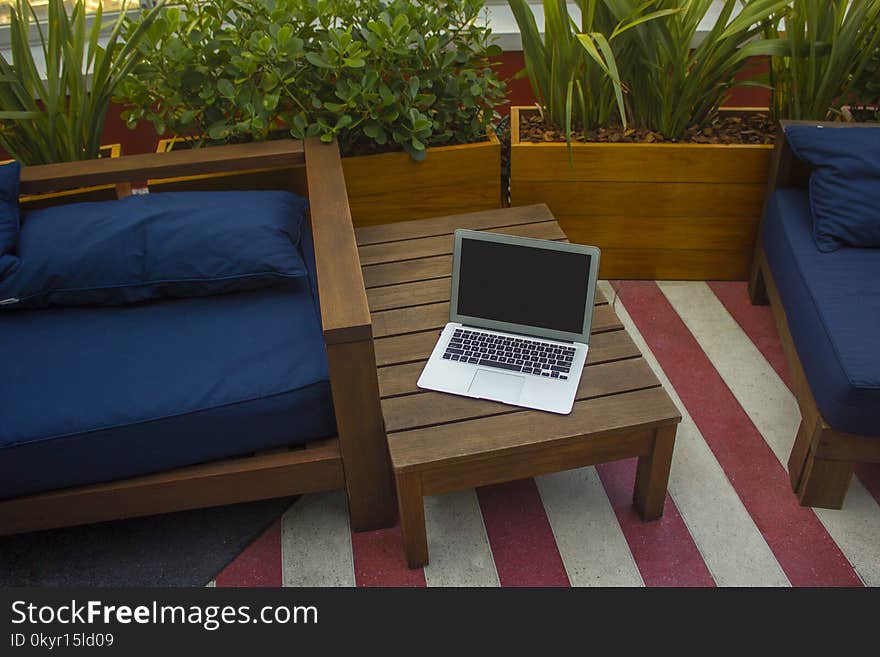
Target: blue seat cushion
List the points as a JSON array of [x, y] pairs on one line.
[[94, 394], [149, 246], [832, 302], [844, 183]]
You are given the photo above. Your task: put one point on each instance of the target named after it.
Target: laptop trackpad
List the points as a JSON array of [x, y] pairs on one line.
[[495, 385]]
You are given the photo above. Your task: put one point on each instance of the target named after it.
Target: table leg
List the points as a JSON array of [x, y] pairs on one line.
[[652, 475], [411, 504]]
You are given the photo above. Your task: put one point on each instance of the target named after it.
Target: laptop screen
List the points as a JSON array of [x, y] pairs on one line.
[[523, 285]]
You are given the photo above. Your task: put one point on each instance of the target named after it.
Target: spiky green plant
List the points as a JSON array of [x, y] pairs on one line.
[[59, 115], [675, 82], [829, 45], [573, 69]]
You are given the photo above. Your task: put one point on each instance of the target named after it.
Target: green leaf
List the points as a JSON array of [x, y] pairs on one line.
[[226, 88]]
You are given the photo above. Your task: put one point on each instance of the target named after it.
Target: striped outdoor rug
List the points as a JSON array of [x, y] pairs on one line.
[[730, 519]]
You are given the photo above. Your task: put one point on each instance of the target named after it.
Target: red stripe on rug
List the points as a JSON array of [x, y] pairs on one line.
[[379, 560], [259, 564], [757, 323], [520, 536], [800, 543], [663, 550]]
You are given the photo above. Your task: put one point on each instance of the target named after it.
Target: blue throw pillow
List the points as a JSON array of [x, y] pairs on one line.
[[844, 183], [9, 223], [178, 244]]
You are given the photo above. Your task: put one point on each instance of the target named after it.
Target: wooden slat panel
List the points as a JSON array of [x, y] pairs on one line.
[[345, 315], [537, 460], [658, 163], [405, 348], [466, 441], [658, 264], [361, 430], [429, 408], [487, 220], [407, 271], [442, 244], [409, 294], [436, 315], [641, 199], [398, 171], [663, 233], [128, 168], [401, 379], [222, 482], [391, 187], [420, 292]]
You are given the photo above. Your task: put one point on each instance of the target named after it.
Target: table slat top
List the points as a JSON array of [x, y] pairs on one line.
[[407, 271]]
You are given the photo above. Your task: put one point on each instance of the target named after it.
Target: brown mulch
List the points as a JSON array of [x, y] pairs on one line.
[[751, 128]]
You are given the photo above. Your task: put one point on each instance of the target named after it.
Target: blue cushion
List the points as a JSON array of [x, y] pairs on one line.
[[97, 393], [9, 221], [844, 183], [179, 244], [832, 302]]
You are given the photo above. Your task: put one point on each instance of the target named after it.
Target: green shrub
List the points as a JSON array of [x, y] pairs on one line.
[[829, 44], [221, 70], [376, 75], [58, 114]]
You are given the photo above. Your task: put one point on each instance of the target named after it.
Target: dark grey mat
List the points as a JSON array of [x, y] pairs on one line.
[[177, 549]]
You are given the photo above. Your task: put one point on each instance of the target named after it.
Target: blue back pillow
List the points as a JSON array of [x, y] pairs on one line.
[[844, 183], [9, 224], [177, 244]]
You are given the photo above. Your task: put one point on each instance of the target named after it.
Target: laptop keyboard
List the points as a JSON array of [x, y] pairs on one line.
[[507, 353]]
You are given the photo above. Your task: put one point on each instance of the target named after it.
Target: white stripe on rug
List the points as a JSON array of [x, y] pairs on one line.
[[316, 542], [772, 408], [732, 547], [593, 548], [457, 543]]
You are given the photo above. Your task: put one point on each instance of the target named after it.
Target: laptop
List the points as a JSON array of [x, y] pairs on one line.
[[519, 321]]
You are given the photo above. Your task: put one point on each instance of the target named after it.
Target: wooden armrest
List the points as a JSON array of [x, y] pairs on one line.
[[128, 168], [345, 314]]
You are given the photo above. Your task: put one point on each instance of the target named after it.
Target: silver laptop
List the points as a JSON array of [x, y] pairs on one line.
[[519, 321]]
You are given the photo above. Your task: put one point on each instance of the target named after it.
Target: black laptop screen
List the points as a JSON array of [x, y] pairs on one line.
[[523, 285]]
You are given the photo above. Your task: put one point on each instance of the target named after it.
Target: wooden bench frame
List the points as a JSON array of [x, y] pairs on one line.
[[357, 459], [822, 459]]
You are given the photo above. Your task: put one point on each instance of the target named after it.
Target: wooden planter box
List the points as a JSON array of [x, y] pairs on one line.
[[657, 211], [452, 179], [392, 187]]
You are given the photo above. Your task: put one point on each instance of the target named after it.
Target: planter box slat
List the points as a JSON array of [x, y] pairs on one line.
[[640, 199], [639, 163], [663, 233], [682, 265], [391, 187], [657, 211]]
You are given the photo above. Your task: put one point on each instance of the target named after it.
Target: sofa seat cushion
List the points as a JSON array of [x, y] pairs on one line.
[[832, 302], [91, 394]]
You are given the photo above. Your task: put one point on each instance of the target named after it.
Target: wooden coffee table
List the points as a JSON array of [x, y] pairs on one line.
[[440, 443]]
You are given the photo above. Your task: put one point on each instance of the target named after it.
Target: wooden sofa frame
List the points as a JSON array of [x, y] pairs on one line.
[[822, 460], [357, 459]]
